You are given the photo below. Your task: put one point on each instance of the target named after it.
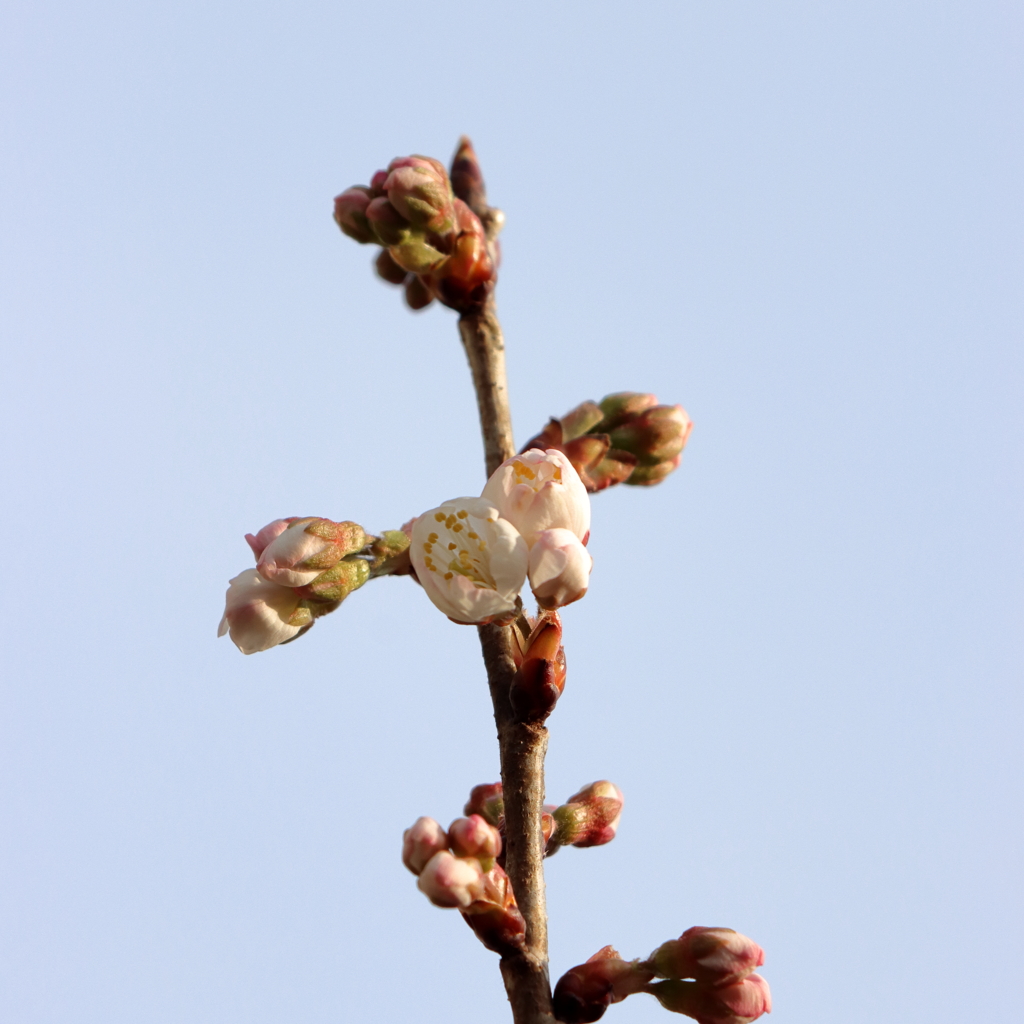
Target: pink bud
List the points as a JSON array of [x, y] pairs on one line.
[[421, 193], [474, 837], [449, 881], [487, 801], [267, 534], [559, 568], [717, 956], [388, 225], [350, 213], [590, 817], [421, 842], [655, 435], [737, 1003], [307, 548]]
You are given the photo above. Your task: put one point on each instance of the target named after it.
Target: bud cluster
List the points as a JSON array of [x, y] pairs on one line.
[[459, 868], [709, 974], [625, 438], [588, 818], [305, 567], [532, 520], [434, 245]]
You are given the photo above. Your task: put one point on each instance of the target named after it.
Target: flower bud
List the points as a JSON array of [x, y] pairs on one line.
[[487, 801], [647, 476], [306, 548], [449, 881], [415, 254], [559, 568], [389, 227], [539, 491], [350, 213], [388, 269], [654, 436], [467, 178], [421, 842], [579, 421], [501, 929], [260, 615], [717, 956], [337, 582], [465, 279], [417, 294], [269, 532], [589, 817], [737, 1003], [471, 562], [474, 837], [623, 406], [540, 678], [583, 994], [494, 917], [422, 195], [377, 183]]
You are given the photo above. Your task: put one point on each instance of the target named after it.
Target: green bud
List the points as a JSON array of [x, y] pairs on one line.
[[337, 583], [580, 420], [623, 406], [415, 254], [647, 476]]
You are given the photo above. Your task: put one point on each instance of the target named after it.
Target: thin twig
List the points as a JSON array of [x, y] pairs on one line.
[[522, 746]]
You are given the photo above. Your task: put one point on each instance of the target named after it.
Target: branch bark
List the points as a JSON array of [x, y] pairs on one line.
[[522, 746]]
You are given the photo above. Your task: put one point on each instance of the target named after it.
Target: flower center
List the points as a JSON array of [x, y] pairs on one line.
[[459, 550]]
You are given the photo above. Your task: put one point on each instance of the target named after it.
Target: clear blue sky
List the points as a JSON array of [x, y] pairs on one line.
[[800, 657]]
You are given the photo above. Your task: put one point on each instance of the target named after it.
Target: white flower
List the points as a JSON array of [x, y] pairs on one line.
[[260, 615], [471, 562], [449, 881], [421, 842], [559, 568], [539, 491]]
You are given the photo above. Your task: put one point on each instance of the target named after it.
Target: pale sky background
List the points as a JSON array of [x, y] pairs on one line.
[[800, 657]]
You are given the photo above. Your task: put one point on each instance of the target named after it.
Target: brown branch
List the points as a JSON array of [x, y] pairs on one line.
[[522, 746]]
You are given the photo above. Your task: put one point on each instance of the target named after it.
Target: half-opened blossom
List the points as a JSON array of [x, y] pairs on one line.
[[471, 562], [449, 881], [306, 548], [539, 491], [260, 540], [259, 614], [421, 842], [559, 568], [474, 837]]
